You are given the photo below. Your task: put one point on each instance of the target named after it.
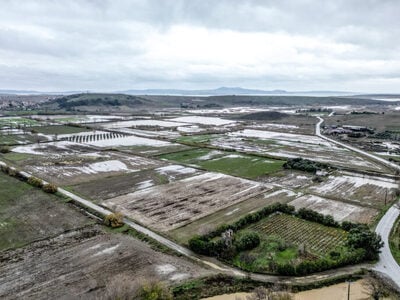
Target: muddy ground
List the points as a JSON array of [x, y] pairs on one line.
[[81, 264], [113, 186], [169, 206]]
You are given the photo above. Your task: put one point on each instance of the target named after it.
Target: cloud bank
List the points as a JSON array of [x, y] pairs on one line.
[[194, 44]]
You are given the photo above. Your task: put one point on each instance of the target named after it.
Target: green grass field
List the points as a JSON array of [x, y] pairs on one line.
[[58, 129], [317, 238], [15, 122], [282, 236], [15, 139], [246, 166], [28, 214], [15, 157], [196, 139]]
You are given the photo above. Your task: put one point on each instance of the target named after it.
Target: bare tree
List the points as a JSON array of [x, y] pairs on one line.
[[373, 287], [122, 287], [273, 293]]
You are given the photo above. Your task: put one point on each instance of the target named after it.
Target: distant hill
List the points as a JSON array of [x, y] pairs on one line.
[[99, 103], [204, 92], [263, 116], [256, 100], [228, 91]]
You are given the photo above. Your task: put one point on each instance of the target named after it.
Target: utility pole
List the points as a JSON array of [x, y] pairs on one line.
[[386, 197], [348, 290]]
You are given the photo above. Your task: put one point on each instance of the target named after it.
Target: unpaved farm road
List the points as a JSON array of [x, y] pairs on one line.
[[387, 264]]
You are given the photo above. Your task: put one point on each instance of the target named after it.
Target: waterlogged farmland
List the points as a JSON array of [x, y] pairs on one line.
[[241, 165], [183, 174]]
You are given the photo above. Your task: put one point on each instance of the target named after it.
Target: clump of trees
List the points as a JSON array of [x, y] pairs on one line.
[[362, 244], [360, 237], [36, 182], [50, 188], [114, 220], [247, 241], [305, 165]]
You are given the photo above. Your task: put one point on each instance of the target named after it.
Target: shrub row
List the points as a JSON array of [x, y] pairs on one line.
[[305, 165], [251, 218], [322, 264], [34, 181]]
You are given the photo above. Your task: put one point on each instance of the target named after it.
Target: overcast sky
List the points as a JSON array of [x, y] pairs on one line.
[[195, 44]]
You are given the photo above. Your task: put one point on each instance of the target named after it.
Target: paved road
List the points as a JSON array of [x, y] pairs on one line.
[[213, 263], [386, 265]]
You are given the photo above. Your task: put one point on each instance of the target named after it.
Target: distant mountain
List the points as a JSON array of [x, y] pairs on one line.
[[229, 91], [28, 92], [222, 91]]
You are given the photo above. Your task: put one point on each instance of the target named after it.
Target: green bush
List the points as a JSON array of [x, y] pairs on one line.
[[201, 245], [34, 181], [305, 165], [154, 291], [247, 241], [363, 238], [5, 149], [50, 188]]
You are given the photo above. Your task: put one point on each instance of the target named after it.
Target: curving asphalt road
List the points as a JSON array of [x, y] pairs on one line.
[[387, 264]]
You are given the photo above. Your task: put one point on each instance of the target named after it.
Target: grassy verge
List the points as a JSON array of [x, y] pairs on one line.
[[155, 245], [394, 240]]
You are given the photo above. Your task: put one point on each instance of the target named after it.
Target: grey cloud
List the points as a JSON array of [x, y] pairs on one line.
[[97, 44]]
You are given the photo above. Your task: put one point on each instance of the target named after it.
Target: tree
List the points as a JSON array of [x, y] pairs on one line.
[[114, 220], [50, 188], [121, 287], [34, 181], [362, 237], [374, 287], [154, 290], [273, 293], [247, 241]]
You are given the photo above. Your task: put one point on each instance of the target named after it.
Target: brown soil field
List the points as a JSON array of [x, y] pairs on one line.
[[381, 122], [169, 206], [28, 214], [69, 170], [291, 179], [82, 264], [298, 124], [113, 186], [338, 210], [365, 190], [230, 214]]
